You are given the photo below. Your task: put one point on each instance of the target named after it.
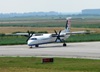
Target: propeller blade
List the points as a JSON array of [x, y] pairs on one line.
[[59, 32], [27, 39], [57, 35], [56, 40], [29, 35], [60, 40], [55, 32]]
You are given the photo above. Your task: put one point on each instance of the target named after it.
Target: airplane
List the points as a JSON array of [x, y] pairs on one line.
[[61, 36]]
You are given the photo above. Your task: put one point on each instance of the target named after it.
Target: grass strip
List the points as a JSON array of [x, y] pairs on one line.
[[33, 64]]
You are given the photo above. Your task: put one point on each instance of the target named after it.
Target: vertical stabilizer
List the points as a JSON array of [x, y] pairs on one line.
[[68, 24], [67, 27]]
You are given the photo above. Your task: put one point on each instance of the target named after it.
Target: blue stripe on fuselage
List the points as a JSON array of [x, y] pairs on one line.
[[40, 43]]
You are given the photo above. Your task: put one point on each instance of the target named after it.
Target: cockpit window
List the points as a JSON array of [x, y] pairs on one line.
[[33, 39]]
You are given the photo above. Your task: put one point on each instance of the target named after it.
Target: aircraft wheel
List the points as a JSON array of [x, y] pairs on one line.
[[64, 45], [30, 46], [36, 45]]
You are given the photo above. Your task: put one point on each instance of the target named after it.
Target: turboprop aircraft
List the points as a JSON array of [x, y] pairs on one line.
[[61, 36]]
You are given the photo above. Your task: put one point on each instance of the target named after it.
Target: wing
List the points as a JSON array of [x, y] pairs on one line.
[[18, 34], [80, 32], [23, 34], [28, 34]]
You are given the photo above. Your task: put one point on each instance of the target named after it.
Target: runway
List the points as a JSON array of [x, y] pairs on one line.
[[90, 50]]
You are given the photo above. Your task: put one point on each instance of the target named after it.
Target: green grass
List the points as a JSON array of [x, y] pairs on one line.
[[32, 64], [49, 22], [14, 40], [84, 38], [86, 25]]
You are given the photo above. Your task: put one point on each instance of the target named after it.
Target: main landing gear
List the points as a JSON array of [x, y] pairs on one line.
[[64, 45], [36, 45]]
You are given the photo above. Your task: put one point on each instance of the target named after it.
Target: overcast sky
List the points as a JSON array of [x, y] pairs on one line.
[[20, 6]]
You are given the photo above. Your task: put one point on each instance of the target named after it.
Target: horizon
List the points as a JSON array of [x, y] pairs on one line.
[[41, 11]]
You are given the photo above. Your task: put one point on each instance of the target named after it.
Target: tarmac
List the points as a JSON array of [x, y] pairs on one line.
[[88, 50]]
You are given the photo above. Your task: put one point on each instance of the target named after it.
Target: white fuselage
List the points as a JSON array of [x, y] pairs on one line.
[[49, 38], [43, 39]]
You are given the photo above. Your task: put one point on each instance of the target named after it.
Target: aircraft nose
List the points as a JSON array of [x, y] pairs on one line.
[[29, 43]]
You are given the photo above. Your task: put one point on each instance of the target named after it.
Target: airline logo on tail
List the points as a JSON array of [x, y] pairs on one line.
[[68, 23]]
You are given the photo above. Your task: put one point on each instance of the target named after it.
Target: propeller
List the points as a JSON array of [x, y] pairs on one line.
[[29, 35], [58, 36]]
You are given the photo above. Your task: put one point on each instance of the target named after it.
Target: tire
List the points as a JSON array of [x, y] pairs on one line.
[[64, 45], [36, 45]]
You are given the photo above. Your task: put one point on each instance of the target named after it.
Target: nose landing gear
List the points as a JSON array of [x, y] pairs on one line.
[[30, 46], [35, 46]]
